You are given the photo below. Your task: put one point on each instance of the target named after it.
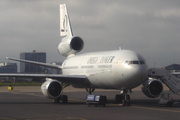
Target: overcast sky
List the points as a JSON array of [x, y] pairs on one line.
[[151, 28]]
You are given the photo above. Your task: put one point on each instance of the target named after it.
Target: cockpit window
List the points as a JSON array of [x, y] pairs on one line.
[[141, 62], [126, 62], [134, 62]]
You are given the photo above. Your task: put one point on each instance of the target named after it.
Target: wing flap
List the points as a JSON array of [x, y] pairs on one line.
[[70, 79]]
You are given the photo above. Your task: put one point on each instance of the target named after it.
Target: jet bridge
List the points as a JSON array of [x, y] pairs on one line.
[[168, 78]]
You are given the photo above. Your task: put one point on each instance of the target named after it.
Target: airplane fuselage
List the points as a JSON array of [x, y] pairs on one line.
[[119, 69]]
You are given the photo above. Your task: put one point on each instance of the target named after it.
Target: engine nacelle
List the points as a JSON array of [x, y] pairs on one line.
[[69, 46], [51, 89], [152, 88]]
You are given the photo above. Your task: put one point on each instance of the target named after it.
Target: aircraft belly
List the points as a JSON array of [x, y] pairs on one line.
[[101, 80], [97, 80]]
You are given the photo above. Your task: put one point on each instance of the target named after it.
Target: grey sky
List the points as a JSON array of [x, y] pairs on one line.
[[151, 28]]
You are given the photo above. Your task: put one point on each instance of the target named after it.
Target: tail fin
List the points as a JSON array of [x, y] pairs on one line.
[[65, 25]]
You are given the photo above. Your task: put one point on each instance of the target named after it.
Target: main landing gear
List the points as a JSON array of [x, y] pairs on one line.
[[64, 99], [123, 98]]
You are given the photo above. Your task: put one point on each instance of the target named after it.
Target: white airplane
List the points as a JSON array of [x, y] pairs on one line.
[[118, 69]]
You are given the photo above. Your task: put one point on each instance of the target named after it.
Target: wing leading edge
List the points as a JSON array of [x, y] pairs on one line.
[[74, 80], [37, 63]]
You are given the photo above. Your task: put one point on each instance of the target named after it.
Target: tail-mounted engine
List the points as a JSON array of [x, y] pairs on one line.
[[152, 88], [70, 46], [51, 89]]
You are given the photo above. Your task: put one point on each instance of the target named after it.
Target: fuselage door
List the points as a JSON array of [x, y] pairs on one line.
[[116, 66]]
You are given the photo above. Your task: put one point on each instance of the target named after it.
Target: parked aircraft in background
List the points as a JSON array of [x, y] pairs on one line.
[[118, 69]]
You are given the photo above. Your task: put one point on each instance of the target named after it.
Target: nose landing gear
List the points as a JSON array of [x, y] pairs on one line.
[[90, 90], [123, 98]]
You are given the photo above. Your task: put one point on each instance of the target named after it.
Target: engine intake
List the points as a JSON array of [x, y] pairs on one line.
[[77, 43], [70, 45], [51, 89], [152, 88]]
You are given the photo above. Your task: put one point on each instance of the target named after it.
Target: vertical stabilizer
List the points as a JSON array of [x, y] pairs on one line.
[[65, 25]]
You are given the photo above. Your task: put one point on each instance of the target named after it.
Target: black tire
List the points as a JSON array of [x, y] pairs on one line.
[[56, 100], [128, 103], [104, 105], [170, 103], [128, 97], [119, 98], [64, 99], [116, 98], [128, 100], [124, 102]]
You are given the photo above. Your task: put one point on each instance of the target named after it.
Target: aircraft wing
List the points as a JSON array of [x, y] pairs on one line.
[[71, 79], [37, 63]]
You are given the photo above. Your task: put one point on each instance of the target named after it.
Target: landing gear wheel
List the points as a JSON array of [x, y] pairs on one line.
[[123, 98], [128, 100], [64, 99], [170, 103], [56, 100], [124, 101], [119, 98]]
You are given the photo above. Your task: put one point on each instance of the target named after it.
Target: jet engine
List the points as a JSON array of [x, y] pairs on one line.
[[152, 88], [51, 89], [70, 46]]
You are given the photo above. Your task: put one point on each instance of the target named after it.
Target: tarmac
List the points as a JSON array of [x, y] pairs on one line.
[[28, 103]]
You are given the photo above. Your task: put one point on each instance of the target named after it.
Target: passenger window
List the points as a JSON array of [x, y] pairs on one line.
[[135, 62], [142, 62]]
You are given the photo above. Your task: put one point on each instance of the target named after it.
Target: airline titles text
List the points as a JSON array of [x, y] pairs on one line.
[[104, 59]]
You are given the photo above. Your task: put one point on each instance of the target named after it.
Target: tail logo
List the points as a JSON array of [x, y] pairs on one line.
[[65, 28], [64, 24]]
